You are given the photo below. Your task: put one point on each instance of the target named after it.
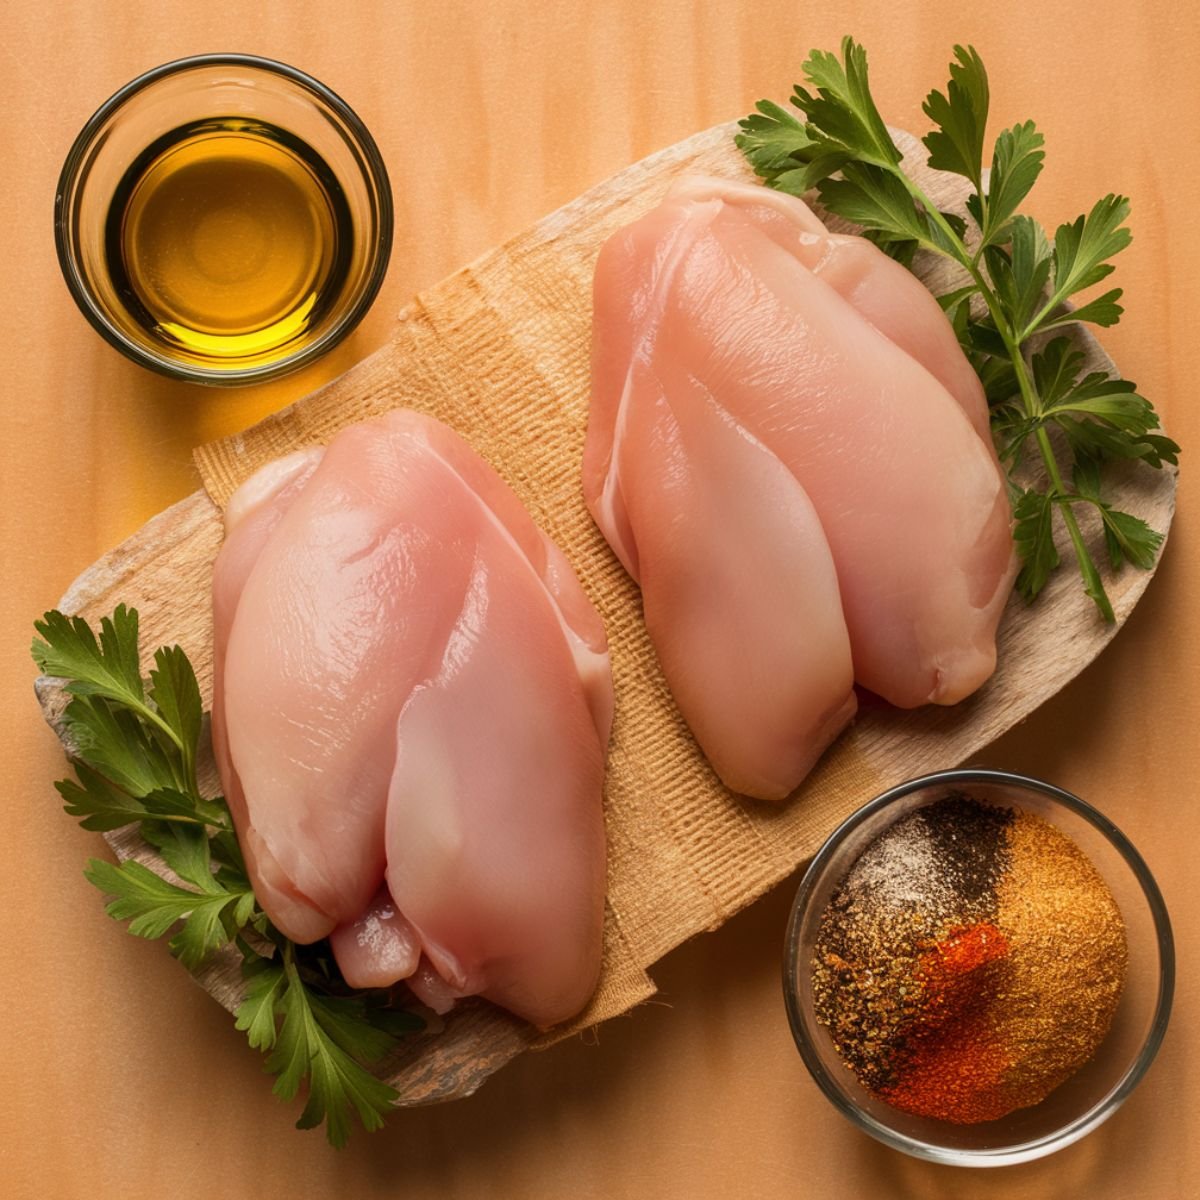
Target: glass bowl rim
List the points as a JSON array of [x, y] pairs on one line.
[[380, 252], [1086, 1121]]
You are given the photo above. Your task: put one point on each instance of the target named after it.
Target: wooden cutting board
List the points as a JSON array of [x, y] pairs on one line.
[[530, 299]]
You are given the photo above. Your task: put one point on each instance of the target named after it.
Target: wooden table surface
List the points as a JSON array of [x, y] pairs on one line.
[[118, 1076]]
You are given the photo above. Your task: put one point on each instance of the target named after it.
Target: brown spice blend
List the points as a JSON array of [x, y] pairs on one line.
[[929, 1014]]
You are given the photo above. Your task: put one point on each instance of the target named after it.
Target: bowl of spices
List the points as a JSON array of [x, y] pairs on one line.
[[979, 968]]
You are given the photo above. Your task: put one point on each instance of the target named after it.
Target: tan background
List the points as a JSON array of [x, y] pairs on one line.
[[118, 1076]]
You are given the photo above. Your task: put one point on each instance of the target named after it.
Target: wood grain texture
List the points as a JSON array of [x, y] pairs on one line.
[[123, 1079], [500, 350]]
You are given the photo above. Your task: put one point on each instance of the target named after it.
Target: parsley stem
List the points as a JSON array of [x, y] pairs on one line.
[[1057, 299], [955, 249], [1033, 406], [147, 713], [188, 782], [958, 252], [180, 819]]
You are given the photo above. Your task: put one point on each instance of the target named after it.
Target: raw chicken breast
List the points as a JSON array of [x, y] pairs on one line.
[[250, 518], [890, 297], [739, 590], [415, 700], [780, 326]]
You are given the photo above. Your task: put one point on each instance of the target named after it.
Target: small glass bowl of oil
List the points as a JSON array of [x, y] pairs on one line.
[[224, 219]]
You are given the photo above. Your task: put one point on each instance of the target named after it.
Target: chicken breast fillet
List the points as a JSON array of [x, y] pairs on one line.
[[413, 704], [735, 301]]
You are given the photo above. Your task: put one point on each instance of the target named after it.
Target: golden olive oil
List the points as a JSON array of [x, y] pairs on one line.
[[229, 240]]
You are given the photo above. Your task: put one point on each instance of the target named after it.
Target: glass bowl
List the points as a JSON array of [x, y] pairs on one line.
[[144, 114], [1086, 1099]]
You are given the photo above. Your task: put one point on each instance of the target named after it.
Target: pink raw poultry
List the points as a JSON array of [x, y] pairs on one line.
[[414, 691], [729, 318]]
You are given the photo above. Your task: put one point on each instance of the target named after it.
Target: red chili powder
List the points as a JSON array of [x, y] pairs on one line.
[[952, 1060]]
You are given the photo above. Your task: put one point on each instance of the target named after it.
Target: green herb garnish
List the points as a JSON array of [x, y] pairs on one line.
[[135, 744], [1017, 284]]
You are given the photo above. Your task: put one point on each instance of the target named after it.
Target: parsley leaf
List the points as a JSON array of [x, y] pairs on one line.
[[960, 116], [1055, 368], [1103, 310], [176, 695], [773, 140], [841, 113], [1016, 164], [118, 743], [1105, 418], [1021, 271], [1129, 538], [1082, 248], [256, 1013], [135, 764], [153, 906], [322, 1039], [102, 805], [1011, 428], [1034, 535], [875, 199], [99, 804], [186, 850], [68, 649], [1110, 400]]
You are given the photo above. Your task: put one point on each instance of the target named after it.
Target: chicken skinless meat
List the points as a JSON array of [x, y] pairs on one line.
[[731, 308], [413, 705]]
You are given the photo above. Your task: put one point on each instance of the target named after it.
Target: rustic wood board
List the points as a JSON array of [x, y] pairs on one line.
[[165, 570]]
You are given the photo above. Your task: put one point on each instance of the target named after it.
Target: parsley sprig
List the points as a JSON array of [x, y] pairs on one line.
[[1017, 286], [135, 744]]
